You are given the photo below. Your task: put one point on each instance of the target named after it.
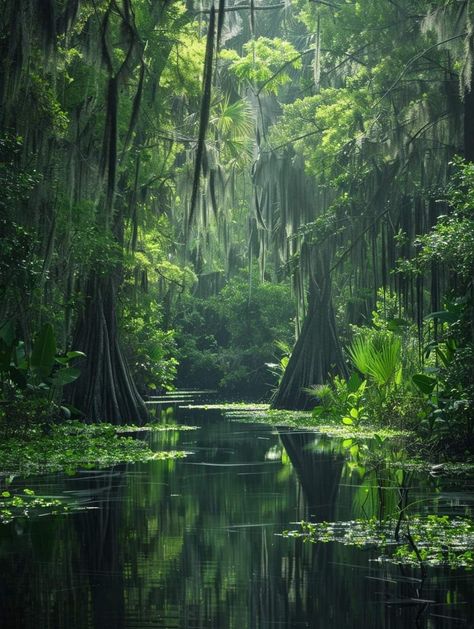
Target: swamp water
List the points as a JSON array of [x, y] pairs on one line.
[[196, 543]]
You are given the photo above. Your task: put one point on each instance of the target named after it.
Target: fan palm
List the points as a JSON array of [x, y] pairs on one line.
[[377, 358]]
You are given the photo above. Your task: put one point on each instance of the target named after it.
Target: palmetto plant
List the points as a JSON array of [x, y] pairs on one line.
[[232, 124], [378, 358]]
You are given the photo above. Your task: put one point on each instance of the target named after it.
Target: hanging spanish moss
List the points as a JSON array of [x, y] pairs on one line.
[[170, 151]]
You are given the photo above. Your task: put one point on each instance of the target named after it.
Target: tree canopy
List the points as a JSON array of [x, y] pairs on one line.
[[155, 151]]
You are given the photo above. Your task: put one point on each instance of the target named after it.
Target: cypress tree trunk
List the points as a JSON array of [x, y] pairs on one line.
[[105, 389], [317, 352]]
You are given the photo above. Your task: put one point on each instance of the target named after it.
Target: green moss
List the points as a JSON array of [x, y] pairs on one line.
[[432, 540], [72, 445]]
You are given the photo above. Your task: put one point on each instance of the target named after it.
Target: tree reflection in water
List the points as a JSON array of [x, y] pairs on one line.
[[194, 544]]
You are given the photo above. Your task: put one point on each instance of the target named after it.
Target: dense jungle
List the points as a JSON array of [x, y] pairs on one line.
[[236, 314]]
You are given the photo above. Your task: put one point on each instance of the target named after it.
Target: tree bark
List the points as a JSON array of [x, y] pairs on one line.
[[317, 352], [105, 389]]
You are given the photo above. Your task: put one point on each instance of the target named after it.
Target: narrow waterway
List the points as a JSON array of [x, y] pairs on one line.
[[195, 543]]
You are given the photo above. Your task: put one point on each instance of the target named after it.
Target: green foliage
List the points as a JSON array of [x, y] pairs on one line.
[[20, 263], [323, 424], [31, 381], [451, 240], [446, 384], [16, 182], [351, 123], [46, 106], [151, 291], [278, 369], [150, 349], [27, 505], [226, 341], [434, 540], [232, 124], [425, 383], [336, 118], [74, 445], [383, 389], [265, 62], [379, 358], [341, 400]]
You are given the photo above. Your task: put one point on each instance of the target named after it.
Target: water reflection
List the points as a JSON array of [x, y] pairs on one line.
[[192, 544]]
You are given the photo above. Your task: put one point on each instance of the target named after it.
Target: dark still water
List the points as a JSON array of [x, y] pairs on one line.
[[193, 544]]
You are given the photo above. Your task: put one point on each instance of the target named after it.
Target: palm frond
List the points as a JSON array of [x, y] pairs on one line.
[[377, 357]]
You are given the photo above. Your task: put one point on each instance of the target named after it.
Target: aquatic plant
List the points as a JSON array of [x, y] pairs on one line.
[[27, 504], [73, 445], [430, 540]]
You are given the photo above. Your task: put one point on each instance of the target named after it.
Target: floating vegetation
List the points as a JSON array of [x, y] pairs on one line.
[[461, 468], [72, 445], [351, 436], [263, 414], [129, 428], [432, 540], [229, 406], [28, 504]]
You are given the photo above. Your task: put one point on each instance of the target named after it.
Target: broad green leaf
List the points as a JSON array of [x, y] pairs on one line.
[[348, 421], [399, 476], [378, 439], [425, 383], [66, 376], [7, 333], [66, 412], [395, 324], [354, 450], [354, 382], [445, 316], [64, 360], [75, 354], [44, 351]]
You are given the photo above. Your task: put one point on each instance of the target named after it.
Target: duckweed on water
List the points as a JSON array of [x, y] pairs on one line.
[[27, 504], [228, 406], [432, 540], [129, 428], [263, 414], [456, 468], [72, 445]]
